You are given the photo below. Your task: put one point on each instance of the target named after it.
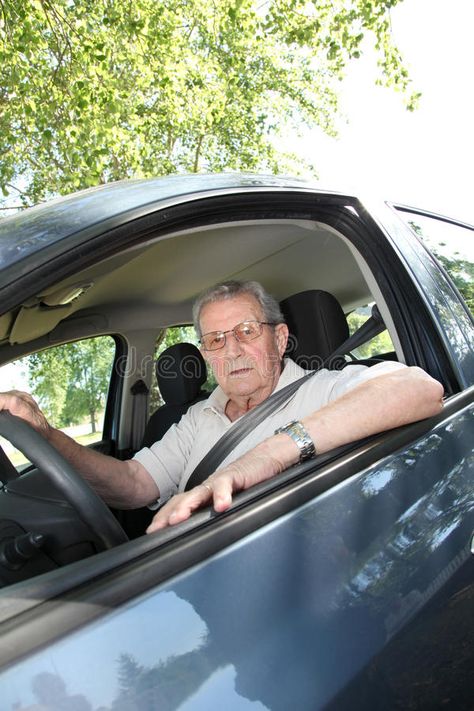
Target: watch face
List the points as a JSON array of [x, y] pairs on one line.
[[300, 436]]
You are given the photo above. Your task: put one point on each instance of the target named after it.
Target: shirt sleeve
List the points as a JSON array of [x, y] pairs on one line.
[[353, 375], [166, 459]]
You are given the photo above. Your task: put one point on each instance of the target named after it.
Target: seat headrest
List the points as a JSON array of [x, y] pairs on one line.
[[180, 372], [317, 326]]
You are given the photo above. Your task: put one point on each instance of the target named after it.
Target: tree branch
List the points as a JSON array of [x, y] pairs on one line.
[[197, 154], [16, 207], [13, 187]]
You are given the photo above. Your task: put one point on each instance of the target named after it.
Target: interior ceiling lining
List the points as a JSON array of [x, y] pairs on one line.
[[174, 270], [162, 267], [285, 262]]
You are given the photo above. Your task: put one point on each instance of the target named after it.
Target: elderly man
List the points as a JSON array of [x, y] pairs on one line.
[[243, 338]]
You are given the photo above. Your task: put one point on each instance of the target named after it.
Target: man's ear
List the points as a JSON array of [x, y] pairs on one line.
[[281, 334]]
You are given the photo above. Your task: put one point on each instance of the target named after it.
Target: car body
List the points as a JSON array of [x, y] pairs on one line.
[[347, 582]]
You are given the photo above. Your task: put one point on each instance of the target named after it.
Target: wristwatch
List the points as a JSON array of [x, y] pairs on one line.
[[300, 436]]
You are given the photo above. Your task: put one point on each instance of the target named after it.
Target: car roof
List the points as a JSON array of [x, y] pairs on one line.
[[41, 226]]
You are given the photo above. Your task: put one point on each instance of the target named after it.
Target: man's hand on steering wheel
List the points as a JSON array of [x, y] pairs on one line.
[[23, 405]]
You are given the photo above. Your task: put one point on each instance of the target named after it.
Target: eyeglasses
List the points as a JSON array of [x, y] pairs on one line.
[[243, 332]]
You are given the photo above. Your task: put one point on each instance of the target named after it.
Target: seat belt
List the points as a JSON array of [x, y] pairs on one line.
[[140, 394], [247, 423], [371, 328]]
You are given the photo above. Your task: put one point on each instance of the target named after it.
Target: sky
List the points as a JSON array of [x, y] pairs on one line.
[[423, 158]]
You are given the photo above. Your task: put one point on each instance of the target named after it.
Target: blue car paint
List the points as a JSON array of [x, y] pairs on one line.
[[451, 317], [290, 615]]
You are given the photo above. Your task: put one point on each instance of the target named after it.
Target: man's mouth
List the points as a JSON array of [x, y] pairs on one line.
[[239, 372]]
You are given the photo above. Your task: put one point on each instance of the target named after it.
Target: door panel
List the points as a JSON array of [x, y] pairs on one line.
[[301, 611]]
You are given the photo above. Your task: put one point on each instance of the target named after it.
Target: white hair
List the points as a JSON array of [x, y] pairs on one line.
[[229, 290]]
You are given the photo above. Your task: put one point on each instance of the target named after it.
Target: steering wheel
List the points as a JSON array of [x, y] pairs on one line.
[[87, 504]]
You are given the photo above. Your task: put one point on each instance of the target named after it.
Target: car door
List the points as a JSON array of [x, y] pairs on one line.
[[312, 589]]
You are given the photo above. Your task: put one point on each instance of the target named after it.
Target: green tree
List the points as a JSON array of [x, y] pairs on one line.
[[99, 90], [71, 381], [176, 334], [90, 364], [460, 267], [461, 272], [48, 373]]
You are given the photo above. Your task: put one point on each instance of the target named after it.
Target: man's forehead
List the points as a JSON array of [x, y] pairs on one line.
[[224, 313]]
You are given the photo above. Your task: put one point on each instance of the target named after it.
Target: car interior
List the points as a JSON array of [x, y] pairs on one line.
[[134, 295]]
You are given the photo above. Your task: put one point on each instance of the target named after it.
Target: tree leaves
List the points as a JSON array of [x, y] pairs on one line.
[[71, 381], [98, 91]]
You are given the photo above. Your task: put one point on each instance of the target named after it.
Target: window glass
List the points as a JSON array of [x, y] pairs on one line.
[[452, 245], [175, 334], [379, 345], [70, 383]]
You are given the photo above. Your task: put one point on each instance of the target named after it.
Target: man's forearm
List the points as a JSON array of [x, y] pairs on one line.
[[377, 405], [123, 485]]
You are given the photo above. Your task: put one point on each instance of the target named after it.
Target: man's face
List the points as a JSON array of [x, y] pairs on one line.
[[244, 369]]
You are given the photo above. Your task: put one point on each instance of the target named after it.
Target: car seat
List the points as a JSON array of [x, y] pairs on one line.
[[317, 325], [319, 332], [180, 372]]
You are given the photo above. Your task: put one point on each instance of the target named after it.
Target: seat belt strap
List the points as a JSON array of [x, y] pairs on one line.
[[371, 328], [140, 394], [247, 423]]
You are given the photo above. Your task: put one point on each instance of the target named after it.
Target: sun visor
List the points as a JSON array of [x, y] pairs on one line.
[[35, 321], [5, 325]]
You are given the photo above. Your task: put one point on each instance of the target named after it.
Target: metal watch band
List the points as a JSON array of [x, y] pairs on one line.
[[301, 437]]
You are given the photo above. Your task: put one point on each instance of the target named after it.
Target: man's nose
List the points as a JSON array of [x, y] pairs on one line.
[[233, 347]]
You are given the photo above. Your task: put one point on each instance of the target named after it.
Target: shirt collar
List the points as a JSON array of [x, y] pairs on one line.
[[217, 400]]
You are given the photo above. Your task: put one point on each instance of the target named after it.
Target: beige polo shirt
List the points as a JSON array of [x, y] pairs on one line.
[[172, 460]]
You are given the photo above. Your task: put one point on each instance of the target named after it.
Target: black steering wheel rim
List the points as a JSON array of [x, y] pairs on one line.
[[87, 504]]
